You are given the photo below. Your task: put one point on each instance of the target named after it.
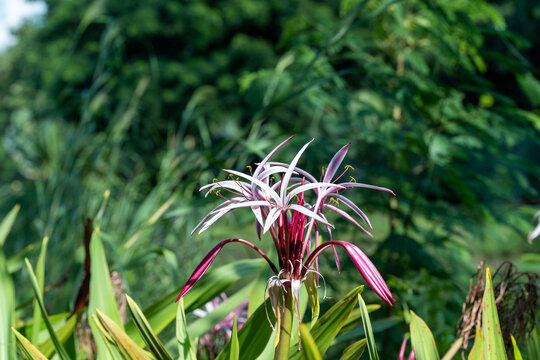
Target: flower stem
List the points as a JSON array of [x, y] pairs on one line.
[[287, 313]]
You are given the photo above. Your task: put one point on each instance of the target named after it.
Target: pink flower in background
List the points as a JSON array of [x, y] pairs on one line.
[[292, 206]]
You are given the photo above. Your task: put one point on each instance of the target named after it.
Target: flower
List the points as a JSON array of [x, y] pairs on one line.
[[291, 209]]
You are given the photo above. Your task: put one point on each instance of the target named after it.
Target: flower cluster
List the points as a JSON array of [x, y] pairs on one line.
[[279, 196]]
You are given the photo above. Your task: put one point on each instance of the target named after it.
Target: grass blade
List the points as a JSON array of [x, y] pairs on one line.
[[7, 223], [491, 329], [370, 339], [7, 308], [235, 347], [29, 351], [40, 275], [151, 340], [63, 333], [60, 350], [422, 339]]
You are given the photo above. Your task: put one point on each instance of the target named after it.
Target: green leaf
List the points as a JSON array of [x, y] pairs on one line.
[[532, 345], [60, 350], [311, 287], [211, 285], [372, 347], [122, 341], [476, 351], [354, 351], [329, 325], [151, 340], [7, 223], [40, 275], [235, 347], [493, 344], [355, 318], [308, 344], [101, 292], [29, 351], [456, 346], [254, 335], [7, 308], [376, 326], [517, 354], [185, 348], [63, 333], [422, 340]]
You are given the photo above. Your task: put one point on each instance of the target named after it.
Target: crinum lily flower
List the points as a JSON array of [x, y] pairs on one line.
[[283, 208]]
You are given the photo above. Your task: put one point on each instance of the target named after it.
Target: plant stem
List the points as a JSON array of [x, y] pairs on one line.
[[282, 349]]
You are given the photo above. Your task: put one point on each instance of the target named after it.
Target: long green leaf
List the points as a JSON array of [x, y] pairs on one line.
[[329, 325], [29, 351], [7, 223], [101, 293], [493, 348], [235, 346], [60, 350], [311, 287], [309, 347], [122, 341], [254, 335], [7, 308], [185, 348], [456, 346], [532, 345], [40, 275], [151, 340], [63, 333], [372, 347], [354, 351], [211, 285], [422, 339]]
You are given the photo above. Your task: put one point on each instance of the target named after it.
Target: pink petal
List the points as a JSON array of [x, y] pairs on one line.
[[335, 162], [401, 355], [201, 269]]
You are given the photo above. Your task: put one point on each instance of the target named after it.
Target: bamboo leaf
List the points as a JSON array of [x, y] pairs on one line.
[[185, 348], [151, 340], [122, 341], [370, 339], [7, 223], [29, 351], [493, 344], [422, 340], [60, 350], [354, 351], [235, 347], [40, 275]]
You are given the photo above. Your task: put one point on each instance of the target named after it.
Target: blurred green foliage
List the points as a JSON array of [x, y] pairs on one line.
[[440, 100]]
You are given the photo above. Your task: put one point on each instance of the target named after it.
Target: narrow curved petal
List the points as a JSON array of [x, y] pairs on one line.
[[401, 355], [335, 162], [288, 174], [309, 213], [258, 182], [316, 185], [271, 218], [367, 186], [201, 269], [346, 216], [220, 206], [362, 263], [304, 173], [354, 208], [237, 205]]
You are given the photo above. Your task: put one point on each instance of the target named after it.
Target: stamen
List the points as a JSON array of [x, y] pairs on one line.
[[349, 167], [352, 179]]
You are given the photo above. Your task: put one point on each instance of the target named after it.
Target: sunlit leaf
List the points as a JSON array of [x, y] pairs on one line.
[[370, 339], [422, 340], [311, 352], [354, 351], [29, 351], [493, 344]]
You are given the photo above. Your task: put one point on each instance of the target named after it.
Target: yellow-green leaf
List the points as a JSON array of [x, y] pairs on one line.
[[493, 345], [7, 223], [235, 346], [309, 347], [40, 275], [354, 351], [185, 349], [29, 351], [477, 349], [422, 340], [372, 347], [517, 353], [311, 287]]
